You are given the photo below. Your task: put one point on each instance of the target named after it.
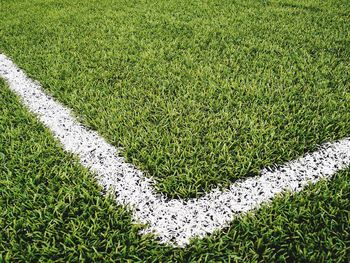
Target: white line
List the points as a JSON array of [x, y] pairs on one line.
[[175, 221]]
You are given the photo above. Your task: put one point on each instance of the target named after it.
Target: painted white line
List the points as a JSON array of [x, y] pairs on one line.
[[175, 221]]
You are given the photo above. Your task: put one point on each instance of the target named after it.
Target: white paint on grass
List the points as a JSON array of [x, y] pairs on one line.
[[174, 221]]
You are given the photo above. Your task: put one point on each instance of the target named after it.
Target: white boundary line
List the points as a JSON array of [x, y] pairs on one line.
[[174, 221]]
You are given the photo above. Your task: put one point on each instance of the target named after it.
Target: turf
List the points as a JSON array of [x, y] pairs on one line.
[[52, 211], [197, 93]]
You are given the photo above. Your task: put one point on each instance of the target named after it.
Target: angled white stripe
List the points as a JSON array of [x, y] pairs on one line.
[[175, 221]]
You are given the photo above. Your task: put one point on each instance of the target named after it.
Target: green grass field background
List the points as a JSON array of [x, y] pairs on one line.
[[52, 211], [197, 93]]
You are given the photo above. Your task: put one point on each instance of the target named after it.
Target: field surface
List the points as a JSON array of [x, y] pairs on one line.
[[198, 94]]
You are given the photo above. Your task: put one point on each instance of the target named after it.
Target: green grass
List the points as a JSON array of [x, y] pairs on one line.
[[197, 93], [52, 211]]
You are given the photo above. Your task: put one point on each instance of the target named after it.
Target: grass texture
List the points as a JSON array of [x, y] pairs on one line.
[[52, 211], [196, 93]]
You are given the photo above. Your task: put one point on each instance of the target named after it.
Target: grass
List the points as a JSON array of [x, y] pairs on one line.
[[52, 211], [196, 93]]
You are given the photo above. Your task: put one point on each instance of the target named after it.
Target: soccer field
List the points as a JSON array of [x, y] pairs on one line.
[[195, 94]]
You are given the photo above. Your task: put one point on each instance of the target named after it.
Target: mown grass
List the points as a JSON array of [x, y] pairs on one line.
[[197, 93], [52, 211]]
